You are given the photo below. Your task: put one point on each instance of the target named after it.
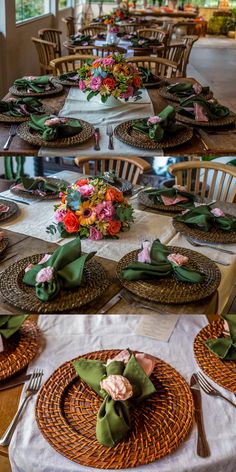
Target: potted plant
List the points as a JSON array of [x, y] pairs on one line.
[[231, 25], [10, 177]]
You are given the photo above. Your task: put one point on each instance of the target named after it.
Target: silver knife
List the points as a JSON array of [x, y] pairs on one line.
[[96, 138], [4, 384], [202, 444], [113, 301]]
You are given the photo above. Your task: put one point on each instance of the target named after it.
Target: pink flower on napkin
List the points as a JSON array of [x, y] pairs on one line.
[[55, 121], [146, 361], [94, 234], [144, 255], [123, 356], [217, 212], [177, 259], [2, 235], [153, 120], [197, 88], [118, 387], [226, 327], [44, 258], [45, 275], [173, 200], [200, 113]]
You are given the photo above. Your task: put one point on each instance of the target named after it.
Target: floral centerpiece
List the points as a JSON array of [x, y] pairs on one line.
[[91, 209], [110, 76]]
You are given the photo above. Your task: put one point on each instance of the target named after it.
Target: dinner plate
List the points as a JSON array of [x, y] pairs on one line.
[[214, 235], [220, 371], [170, 289], [19, 349], [67, 407], [125, 133], [57, 88], [13, 209], [35, 138], [17, 293], [225, 121], [163, 92]]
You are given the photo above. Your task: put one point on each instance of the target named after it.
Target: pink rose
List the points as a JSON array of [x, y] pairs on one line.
[[94, 234], [44, 258], [153, 120], [82, 85], [217, 212], [59, 215], [55, 121], [118, 387], [123, 356], [86, 190], [108, 61], [177, 259], [129, 92], [2, 235], [146, 361], [144, 255], [105, 211], [45, 275], [95, 83], [226, 328]]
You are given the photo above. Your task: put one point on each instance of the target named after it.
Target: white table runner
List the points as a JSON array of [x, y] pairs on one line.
[[68, 336]]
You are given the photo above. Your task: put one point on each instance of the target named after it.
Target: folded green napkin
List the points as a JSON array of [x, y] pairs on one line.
[[39, 184], [160, 267], [213, 110], [113, 419], [72, 76], [21, 107], [62, 127], [184, 89], [147, 75], [63, 270], [225, 348], [37, 84], [157, 130], [203, 217], [10, 324], [156, 194]]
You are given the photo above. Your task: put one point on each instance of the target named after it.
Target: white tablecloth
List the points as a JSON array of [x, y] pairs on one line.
[[68, 336]]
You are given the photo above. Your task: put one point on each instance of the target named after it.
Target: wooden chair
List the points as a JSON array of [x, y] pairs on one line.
[[175, 52], [154, 33], [70, 26], [100, 51], [129, 28], [188, 41], [214, 180], [181, 28], [92, 30], [158, 65], [52, 35], [46, 52], [129, 168], [70, 63]]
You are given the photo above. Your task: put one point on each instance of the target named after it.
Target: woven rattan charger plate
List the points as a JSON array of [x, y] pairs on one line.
[[126, 134], [3, 245], [49, 196], [227, 120], [148, 202], [169, 289], [57, 88], [214, 235], [34, 137], [221, 372], [13, 208], [23, 296], [66, 413], [19, 349], [163, 92]]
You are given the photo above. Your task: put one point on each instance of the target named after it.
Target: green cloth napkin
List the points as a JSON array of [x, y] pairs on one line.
[[155, 195], [21, 107], [72, 76], [10, 324], [202, 217], [49, 133], [213, 110], [38, 85], [225, 348], [68, 266], [156, 131], [184, 89], [147, 75], [113, 419], [160, 267], [31, 184]]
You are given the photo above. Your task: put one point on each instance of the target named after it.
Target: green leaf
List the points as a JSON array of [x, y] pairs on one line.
[[125, 214], [83, 232], [90, 95]]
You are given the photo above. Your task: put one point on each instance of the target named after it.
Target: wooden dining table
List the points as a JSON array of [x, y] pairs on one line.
[[197, 146]]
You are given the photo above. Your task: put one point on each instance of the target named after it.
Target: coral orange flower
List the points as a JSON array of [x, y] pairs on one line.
[[114, 227], [110, 83], [86, 214], [119, 196], [110, 194], [81, 182], [71, 222], [137, 81], [63, 198]]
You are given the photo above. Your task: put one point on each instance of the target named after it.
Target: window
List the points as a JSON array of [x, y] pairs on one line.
[[64, 4], [26, 9]]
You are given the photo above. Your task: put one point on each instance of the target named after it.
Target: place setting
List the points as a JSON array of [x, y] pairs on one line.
[[17, 111], [8, 209], [175, 199], [35, 188], [35, 86]]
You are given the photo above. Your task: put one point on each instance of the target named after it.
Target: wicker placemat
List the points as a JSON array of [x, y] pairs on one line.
[[13, 119], [157, 83], [34, 196], [3, 244], [13, 208], [169, 289], [68, 83], [19, 349], [163, 92], [66, 413], [34, 137], [125, 133], [214, 235], [222, 372], [57, 88], [148, 202], [227, 120], [23, 296]]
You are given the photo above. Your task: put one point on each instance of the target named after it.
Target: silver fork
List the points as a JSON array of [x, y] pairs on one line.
[[12, 133], [110, 134], [33, 387], [131, 300], [208, 245], [210, 390]]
